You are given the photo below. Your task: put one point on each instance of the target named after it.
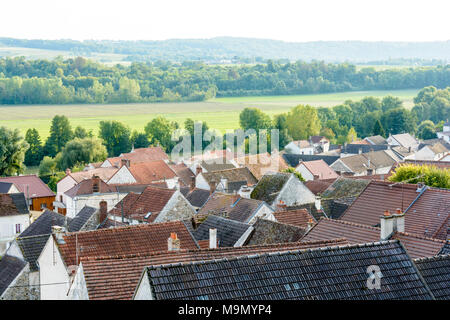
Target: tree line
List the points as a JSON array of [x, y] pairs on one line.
[[66, 147], [80, 80]]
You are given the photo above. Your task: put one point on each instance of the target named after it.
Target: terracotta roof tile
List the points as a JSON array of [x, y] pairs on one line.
[[36, 187], [153, 171], [428, 215], [136, 239], [137, 206], [416, 245], [299, 218], [260, 164], [117, 277], [141, 155], [87, 187], [320, 168]]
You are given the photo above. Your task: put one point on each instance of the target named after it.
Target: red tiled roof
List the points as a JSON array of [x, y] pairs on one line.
[[318, 186], [153, 171], [186, 176], [117, 277], [86, 187], [260, 164], [140, 155], [36, 187], [299, 217], [416, 245], [426, 217], [136, 206], [320, 168], [136, 239]]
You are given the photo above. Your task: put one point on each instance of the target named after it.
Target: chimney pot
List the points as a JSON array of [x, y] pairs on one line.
[[173, 243]]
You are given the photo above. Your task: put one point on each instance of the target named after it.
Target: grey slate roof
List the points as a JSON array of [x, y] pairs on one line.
[[81, 218], [10, 268], [294, 159], [268, 232], [445, 248], [20, 202], [269, 186], [354, 148], [218, 164], [5, 186], [198, 197], [314, 274], [43, 224], [376, 140], [228, 231], [32, 247], [436, 272]]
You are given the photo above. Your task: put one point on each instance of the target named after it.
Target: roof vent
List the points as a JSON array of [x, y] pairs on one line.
[[148, 215]]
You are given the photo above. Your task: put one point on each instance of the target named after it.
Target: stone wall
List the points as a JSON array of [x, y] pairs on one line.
[[20, 289]]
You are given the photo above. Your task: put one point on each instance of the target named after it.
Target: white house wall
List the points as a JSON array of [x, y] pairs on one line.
[[143, 291], [54, 280], [8, 229], [294, 192], [74, 205], [201, 183], [78, 289], [306, 174], [122, 176]]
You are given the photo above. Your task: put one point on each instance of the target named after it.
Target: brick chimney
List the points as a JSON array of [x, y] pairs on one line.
[[318, 203], [212, 238], [387, 225], [125, 162], [103, 211], [310, 224], [173, 243]]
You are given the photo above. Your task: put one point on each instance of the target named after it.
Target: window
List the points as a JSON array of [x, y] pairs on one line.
[[43, 205], [18, 227]]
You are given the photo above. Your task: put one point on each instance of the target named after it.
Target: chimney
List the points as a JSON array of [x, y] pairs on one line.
[[359, 150], [420, 187], [198, 170], [224, 184], [125, 162], [318, 203], [399, 220], [281, 206], [173, 243], [68, 171], [387, 225], [316, 177], [58, 232], [212, 238], [103, 211], [192, 185], [310, 224], [369, 171]]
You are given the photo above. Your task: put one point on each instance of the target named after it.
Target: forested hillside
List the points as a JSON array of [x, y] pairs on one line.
[[219, 48], [84, 81]]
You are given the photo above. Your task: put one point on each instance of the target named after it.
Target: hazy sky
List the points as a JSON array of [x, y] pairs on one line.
[[389, 20]]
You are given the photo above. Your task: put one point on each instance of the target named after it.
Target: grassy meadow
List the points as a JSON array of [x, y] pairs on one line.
[[219, 113]]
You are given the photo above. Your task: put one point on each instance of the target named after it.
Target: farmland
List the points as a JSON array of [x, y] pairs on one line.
[[219, 113]]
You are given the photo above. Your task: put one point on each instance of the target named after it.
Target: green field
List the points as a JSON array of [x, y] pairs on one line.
[[220, 113]]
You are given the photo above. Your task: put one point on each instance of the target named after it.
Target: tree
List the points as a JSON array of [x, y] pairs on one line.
[[82, 133], [429, 175], [303, 122], [253, 118], [328, 133], [426, 130], [12, 152], [161, 129], [129, 90], [390, 102], [296, 173], [280, 123], [60, 133], [378, 129], [398, 120], [35, 151], [116, 137], [189, 125], [139, 140], [81, 152], [47, 167]]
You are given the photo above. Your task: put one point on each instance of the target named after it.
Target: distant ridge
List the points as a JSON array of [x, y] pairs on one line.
[[223, 48]]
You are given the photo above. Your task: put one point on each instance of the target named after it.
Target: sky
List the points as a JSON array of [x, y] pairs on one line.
[[293, 21]]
